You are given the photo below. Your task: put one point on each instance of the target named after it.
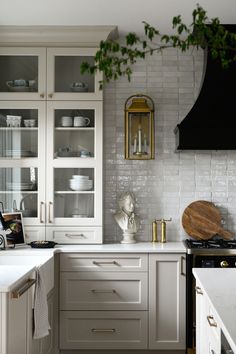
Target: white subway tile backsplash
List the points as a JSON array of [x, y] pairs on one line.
[[165, 186]]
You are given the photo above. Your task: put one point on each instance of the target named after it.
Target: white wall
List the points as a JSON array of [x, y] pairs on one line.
[[127, 14]]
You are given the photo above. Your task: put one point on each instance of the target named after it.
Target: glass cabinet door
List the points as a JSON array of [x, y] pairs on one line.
[[65, 80], [22, 151], [74, 163], [22, 73]]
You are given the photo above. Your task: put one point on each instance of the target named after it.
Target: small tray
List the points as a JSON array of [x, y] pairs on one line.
[[42, 244]]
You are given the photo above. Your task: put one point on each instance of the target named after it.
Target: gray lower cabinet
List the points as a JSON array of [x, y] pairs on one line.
[[122, 301], [167, 299]]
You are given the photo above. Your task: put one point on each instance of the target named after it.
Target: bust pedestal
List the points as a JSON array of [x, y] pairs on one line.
[[128, 237]]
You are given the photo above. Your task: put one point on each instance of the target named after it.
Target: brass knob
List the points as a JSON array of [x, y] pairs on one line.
[[50, 95], [224, 264], [41, 95]]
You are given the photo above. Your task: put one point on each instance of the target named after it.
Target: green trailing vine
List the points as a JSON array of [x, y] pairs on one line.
[[115, 60]]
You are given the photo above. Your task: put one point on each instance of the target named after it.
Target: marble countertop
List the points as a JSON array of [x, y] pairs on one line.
[[16, 264], [220, 287]]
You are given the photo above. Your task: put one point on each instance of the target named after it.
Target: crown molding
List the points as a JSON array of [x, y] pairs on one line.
[[78, 36]]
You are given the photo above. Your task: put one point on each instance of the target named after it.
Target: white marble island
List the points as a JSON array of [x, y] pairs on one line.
[[219, 285]]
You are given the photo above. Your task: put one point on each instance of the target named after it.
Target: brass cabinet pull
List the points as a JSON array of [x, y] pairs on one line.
[[105, 262], [74, 235], [50, 95], [41, 212], [103, 330], [211, 321], [41, 95], [49, 212], [112, 291], [16, 294], [182, 259], [198, 290]]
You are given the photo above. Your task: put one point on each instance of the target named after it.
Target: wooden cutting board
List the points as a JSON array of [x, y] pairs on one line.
[[202, 220]]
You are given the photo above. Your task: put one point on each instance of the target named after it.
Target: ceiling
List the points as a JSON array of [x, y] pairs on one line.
[[126, 14]]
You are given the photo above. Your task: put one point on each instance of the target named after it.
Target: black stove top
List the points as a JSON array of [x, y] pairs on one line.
[[220, 245]]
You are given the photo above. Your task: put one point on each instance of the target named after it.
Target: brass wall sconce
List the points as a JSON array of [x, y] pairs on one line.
[[139, 128]]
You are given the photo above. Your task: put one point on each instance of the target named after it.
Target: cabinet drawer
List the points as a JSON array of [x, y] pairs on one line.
[[107, 330], [103, 262], [75, 235], [103, 291]]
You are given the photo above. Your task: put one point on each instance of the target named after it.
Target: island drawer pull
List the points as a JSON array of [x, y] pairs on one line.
[[16, 294], [111, 291], [198, 290], [74, 235], [103, 330], [211, 321], [105, 262]]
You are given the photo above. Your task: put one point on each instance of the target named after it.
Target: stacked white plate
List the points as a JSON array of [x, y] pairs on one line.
[[80, 183], [17, 186]]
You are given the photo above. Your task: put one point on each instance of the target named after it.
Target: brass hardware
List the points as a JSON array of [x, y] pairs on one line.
[[211, 321], [41, 95], [105, 262], [112, 291], [74, 235], [103, 330], [50, 95], [139, 128], [16, 294], [224, 264], [41, 212], [154, 231], [182, 259], [198, 290], [49, 212], [163, 228]]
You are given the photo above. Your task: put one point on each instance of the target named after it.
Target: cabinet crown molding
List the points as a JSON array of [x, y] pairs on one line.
[[69, 36]]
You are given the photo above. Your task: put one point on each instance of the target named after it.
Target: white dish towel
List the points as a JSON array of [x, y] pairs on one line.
[[41, 323]]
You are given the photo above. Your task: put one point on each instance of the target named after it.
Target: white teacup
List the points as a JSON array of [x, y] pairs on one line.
[[66, 121], [80, 121]]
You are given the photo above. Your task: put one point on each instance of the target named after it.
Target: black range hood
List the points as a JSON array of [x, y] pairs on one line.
[[211, 123]]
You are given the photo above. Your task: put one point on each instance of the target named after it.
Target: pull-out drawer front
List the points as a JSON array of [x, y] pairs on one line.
[[75, 235], [103, 291], [103, 262], [103, 330]]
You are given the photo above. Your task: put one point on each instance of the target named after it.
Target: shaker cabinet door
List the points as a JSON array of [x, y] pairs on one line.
[[167, 301]]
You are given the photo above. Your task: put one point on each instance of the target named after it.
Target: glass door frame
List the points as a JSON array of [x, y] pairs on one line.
[[28, 51], [75, 162], [37, 162], [51, 94]]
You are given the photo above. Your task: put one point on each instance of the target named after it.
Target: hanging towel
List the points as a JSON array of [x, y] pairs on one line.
[[41, 324]]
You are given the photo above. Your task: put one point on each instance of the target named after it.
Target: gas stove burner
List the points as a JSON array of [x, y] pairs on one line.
[[212, 244]]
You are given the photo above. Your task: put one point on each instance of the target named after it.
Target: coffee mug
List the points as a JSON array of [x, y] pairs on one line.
[[66, 121], [80, 121]]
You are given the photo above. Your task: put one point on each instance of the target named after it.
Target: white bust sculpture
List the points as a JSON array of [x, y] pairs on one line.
[[126, 218]]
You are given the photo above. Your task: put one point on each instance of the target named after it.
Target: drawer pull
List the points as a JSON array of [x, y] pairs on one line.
[[103, 330], [198, 290], [112, 291], [105, 263], [211, 321], [74, 235], [17, 293]]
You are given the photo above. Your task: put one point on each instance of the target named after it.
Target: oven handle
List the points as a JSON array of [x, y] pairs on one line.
[[198, 290]]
